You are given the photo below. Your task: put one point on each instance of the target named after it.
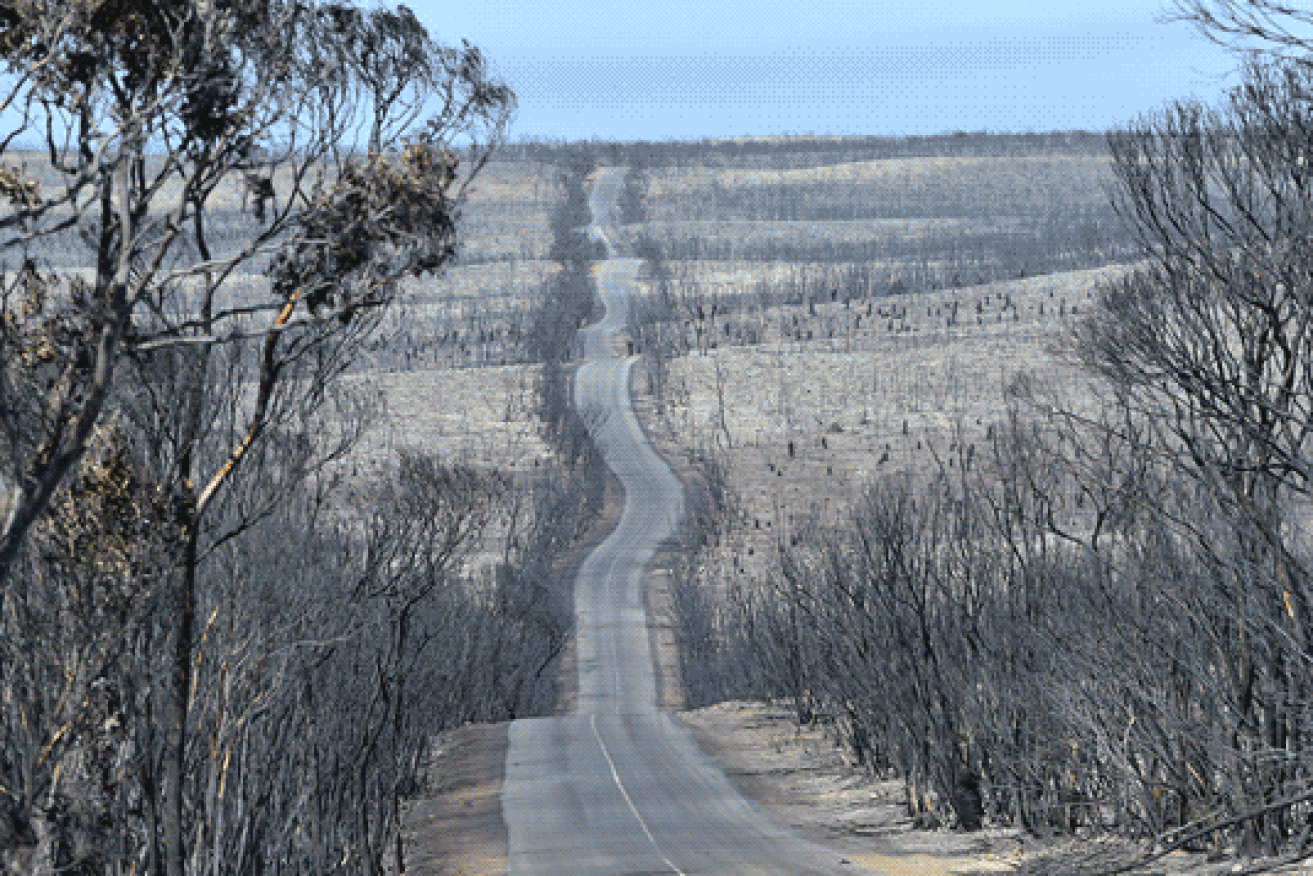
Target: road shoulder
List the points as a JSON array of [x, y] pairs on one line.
[[456, 826], [802, 780], [805, 782]]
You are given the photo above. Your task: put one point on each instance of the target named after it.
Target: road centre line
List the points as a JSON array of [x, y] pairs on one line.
[[592, 722]]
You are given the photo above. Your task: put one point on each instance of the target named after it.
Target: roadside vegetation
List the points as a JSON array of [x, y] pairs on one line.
[[1086, 614]]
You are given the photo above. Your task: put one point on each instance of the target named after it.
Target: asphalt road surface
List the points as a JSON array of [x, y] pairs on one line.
[[619, 787]]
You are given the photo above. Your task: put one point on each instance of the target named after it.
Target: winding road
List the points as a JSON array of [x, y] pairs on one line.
[[619, 787]]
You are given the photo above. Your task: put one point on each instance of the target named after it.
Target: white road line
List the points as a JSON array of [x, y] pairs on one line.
[[592, 721]]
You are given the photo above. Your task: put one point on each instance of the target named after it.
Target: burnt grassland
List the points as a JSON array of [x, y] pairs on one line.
[[813, 354], [806, 332]]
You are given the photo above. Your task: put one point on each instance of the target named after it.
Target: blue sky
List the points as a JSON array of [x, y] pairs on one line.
[[666, 69]]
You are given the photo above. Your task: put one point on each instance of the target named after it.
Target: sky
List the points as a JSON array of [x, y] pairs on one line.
[[689, 69]]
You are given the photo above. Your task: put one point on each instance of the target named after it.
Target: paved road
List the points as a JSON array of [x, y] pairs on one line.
[[619, 787]]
